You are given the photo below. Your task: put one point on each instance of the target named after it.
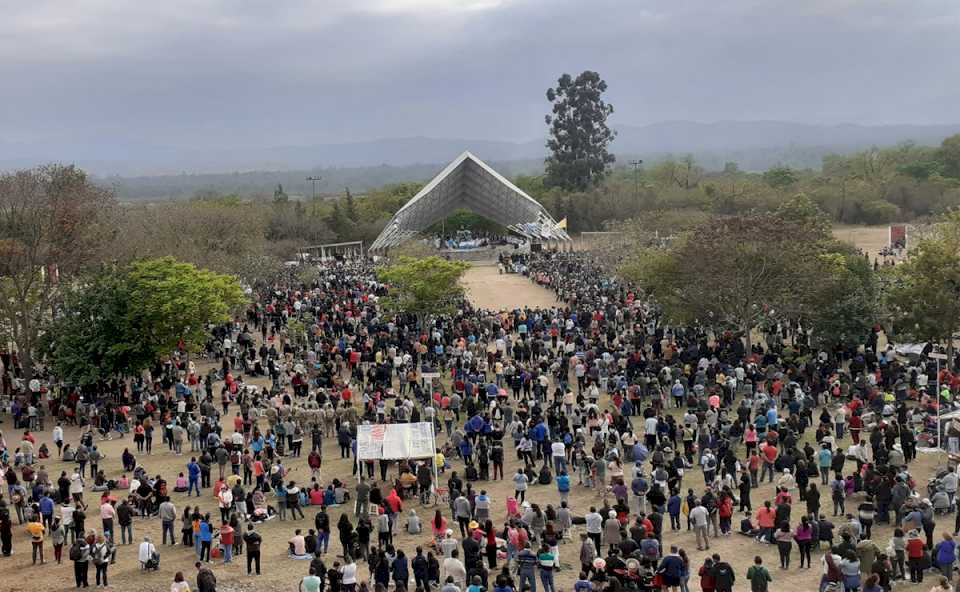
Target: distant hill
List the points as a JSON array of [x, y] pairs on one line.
[[263, 183], [155, 172]]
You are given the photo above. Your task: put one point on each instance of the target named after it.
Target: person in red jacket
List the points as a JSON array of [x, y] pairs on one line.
[[725, 511], [707, 583]]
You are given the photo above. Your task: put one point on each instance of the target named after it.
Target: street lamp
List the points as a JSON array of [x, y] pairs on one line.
[[315, 180], [636, 173]]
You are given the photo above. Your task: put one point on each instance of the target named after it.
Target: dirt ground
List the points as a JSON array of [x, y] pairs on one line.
[[281, 573], [870, 239], [487, 289]]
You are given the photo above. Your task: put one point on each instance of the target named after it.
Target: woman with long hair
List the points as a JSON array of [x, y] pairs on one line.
[[438, 526], [490, 536], [345, 527]]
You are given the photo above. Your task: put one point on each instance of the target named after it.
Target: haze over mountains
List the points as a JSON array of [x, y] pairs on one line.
[[143, 171]]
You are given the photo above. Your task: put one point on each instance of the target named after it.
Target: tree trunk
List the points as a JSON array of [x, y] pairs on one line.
[[26, 361]]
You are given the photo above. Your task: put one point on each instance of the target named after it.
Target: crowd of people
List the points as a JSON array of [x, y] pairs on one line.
[[662, 430]]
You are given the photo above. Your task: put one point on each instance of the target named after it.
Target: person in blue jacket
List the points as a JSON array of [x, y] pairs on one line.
[[563, 485], [193, 470], [673, 508], [671, 568]]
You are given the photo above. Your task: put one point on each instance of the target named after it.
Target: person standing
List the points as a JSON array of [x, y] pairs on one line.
[[168, 516], [594, 525], [804, 537], [723, 575], [6, 534], [759, 576], [36, 529], [58, 536], [107, 515], [80, 555], [253, 541], [671, 569], [100, 553], [520, 485], [206, 581], [226, 541], [547, 563], [526, 564], [784, 539], [699, 518], [193, 471]]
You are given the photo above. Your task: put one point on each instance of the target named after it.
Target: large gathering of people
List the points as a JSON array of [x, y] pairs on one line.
[[610, 436]]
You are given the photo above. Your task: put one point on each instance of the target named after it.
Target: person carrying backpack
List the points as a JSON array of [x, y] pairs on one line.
[[723, 575], [80, 556], [759, 576]]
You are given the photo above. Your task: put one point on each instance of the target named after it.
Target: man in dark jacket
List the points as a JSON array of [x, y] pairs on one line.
[[420, 569], [206, 581], [253, 541], [723, 574]]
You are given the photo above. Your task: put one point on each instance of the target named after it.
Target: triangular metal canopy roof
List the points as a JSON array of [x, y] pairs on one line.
[[469, 183]]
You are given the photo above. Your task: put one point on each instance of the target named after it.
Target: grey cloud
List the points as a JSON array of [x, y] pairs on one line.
[[221, 73]]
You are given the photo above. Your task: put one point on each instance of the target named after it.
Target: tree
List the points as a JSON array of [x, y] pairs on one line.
[[684, 174], [802, 210], [579, 135], [86, 342], [423, 288], [279, 195], [53, 224], [732, 272], [780, 177], [339, 223], [123, 319], [949, 156], [350, 207], [845, 301], [924, 290], [171, 304]]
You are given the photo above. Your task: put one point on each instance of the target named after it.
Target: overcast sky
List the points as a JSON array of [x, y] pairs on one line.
[[261, 73]]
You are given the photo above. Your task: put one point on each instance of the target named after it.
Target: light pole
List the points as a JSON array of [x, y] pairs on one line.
[[636, 173], [315, 180]]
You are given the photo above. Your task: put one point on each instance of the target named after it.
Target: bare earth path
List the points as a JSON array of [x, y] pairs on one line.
[[488, 289]]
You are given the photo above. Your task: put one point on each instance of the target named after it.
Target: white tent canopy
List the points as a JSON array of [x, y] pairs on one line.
[[469, 183]]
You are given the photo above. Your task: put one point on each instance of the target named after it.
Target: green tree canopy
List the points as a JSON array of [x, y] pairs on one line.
[[124, 319], [423, 287], [780, 177], [736, 272], [924, 290], [579, 135]]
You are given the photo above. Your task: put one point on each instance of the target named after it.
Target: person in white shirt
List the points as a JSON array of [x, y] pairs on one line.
[[559, 451], [348, 575], [57, 435], [700, 517], [76, 486], [453, 567], [594, 524], [650, 431], [145, 552]]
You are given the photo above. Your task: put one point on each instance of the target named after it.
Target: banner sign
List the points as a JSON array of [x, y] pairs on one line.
[[395, 441]]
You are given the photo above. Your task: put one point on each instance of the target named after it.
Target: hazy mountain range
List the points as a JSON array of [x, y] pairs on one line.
[[144, 171]]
